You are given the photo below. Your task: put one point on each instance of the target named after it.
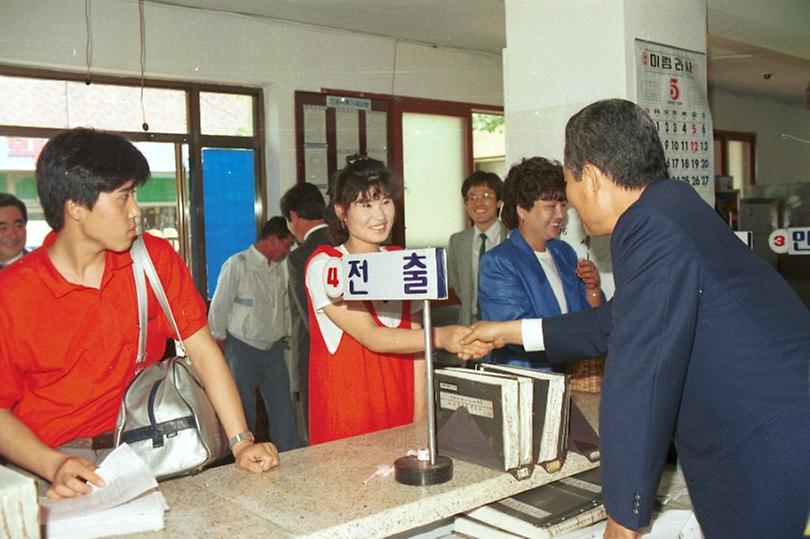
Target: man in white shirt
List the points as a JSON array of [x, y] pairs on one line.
[[13, 218], [250, 319], [482, 199]]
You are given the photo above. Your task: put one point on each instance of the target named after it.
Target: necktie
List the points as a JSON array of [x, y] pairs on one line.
[[481, 251]]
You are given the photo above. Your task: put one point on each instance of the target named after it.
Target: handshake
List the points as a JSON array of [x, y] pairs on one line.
[[479, 339]]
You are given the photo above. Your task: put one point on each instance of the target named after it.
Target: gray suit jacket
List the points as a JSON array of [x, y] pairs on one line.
[[459, 270]]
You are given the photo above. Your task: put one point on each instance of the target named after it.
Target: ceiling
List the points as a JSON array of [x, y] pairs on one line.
[[479, 25]]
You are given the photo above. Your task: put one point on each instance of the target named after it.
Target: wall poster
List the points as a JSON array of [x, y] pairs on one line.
[[671, 88]]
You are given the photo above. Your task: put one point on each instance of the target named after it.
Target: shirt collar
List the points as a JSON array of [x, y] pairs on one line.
[[493, 233], [57, 284], [313, 229]]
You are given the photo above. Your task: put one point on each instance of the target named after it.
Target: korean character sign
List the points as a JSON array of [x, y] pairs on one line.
[[414, 274], [799, 241]]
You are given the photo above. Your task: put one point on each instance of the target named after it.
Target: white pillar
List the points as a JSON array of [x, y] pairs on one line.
[[562, 56]]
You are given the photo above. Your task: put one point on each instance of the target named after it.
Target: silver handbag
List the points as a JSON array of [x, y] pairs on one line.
[[166, 416]]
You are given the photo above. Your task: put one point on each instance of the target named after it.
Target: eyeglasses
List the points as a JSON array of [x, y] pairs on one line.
[[486, 197]]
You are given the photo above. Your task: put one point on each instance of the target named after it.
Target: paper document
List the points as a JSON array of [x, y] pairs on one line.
[[126, 477]]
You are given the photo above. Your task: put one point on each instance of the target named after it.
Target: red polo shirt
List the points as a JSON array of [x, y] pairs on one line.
[[67, 352]]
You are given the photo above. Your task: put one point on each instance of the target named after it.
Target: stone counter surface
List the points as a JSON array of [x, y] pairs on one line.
[[318, 491]]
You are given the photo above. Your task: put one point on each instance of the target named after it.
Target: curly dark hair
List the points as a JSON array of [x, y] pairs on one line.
[[535, 178], [362, 180]]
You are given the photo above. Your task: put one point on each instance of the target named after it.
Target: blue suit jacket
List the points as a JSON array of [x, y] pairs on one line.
[[708, 345], [512, 285]]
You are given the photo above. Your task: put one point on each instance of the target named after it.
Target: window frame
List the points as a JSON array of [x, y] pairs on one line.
[[190, 209]]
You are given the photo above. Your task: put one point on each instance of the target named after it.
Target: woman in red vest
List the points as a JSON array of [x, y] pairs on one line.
[[366, 372]]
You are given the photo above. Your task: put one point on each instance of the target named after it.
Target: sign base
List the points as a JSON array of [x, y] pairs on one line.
[[412, 471]]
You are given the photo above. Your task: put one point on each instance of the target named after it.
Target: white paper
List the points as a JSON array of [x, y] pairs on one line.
[[126, 477]]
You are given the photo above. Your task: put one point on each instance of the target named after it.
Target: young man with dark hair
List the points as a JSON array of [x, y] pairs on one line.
[[69, 320], [706, 344], [13, 218], [250, 319], [481, 192], [304, 208]]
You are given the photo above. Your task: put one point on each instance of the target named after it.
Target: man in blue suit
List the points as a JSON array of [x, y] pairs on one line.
[[707, 345]]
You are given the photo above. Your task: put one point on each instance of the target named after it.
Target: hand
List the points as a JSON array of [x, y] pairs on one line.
[[589, 274], [450, 338], [614, 530], [499, 334], [221, 344], [256, 458], [73, 477]]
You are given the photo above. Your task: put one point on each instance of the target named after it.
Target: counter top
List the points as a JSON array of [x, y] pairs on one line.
[[318, 491]]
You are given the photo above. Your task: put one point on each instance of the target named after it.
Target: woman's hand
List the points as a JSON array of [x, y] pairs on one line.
[[589, 274], [255, 458]]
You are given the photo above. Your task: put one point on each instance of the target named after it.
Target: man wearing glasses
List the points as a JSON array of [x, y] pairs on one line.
[[482, 200]]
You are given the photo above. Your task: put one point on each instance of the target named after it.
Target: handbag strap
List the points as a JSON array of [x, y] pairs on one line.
[[142, 266]]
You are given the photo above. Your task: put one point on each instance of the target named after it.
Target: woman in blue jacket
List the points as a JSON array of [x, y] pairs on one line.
[[533, 274]]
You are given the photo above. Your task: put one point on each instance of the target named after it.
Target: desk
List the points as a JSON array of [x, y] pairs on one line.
[[318, 491]]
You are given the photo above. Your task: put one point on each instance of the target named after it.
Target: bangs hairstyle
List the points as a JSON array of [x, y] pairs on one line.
[[536, 178], [79, 164], [361, 180]]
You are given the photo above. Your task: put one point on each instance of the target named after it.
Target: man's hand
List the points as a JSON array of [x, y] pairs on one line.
[[221, 344], [256, 458], [499, 334], [614, 530], [73, 477], [450, 338]]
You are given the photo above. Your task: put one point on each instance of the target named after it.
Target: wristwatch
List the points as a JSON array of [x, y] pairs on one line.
[[235, 439]]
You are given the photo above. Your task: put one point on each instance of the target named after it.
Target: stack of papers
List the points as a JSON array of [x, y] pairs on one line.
[[129, 503]]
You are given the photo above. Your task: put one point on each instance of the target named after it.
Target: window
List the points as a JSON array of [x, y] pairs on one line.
[[432, 145], [198, 136], [735, 156]]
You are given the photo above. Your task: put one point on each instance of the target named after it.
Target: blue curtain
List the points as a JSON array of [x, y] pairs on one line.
[[229, 188]]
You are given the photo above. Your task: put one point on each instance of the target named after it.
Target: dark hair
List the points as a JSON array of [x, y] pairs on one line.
[[7, 199], [535, 178], [305, 199], [275, 226], [361, 180], [620, 139], [479, 177], [80, 163]]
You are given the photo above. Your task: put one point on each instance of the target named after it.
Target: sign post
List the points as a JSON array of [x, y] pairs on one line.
[[412, 274]]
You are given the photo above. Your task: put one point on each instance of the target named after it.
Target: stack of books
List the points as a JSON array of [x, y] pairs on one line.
[[547, 511], [130, 502], [18, 505], [509, 418]]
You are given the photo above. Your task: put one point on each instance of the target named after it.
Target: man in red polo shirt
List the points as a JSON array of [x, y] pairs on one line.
[[68, 319]]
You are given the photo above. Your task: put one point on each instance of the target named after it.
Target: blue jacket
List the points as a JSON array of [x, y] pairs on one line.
[[512, 285], [707, 345]]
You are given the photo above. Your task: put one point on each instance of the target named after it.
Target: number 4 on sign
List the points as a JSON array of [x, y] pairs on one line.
[[332, 276]]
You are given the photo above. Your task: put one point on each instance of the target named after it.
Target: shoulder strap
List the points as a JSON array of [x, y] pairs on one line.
[[142, 264]]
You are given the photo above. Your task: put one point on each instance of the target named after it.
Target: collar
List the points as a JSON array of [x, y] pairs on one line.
[[313, 229], [11, 261], [57, 284], [493, 233]]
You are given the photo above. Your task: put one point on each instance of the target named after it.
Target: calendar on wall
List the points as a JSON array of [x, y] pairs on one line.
[[671, 88]]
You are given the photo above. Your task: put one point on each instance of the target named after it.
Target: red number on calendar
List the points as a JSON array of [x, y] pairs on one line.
[[674, 91]]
